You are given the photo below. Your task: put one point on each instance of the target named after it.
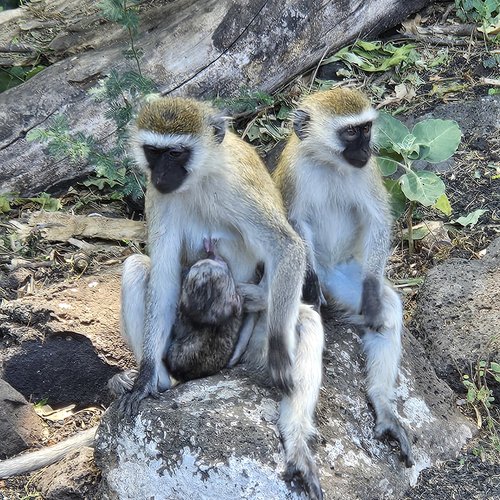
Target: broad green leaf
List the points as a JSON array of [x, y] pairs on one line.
[[495, 367], [47, 202], [387, 166], [471, 219], [399, 56], [397, 197], [368, 45], [409, 147], [389, 131], [439, 138], [422, 186], [443, 204]]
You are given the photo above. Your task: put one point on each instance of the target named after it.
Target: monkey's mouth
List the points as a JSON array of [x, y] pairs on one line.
[[169, 178]]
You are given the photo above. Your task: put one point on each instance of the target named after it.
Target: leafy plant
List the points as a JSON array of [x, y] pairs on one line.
[[431, 140], [375, 56], [12, 76], [480, 397], [114, 166], [483, 12], [125, 13]]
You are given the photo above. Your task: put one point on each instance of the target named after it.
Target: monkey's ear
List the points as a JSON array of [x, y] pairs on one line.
[[219, 124], [300, 120]]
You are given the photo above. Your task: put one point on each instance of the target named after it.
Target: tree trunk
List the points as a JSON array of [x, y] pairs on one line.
[[201, 48]]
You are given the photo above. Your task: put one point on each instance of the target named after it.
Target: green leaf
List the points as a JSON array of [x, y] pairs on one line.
[[47, 202], [443, 204], [368, 45], [439, 138], [422, 186], [387, 166], [397, 197], [389, 131], [4, 204], [471, 219], [471, 394], [495, 367]]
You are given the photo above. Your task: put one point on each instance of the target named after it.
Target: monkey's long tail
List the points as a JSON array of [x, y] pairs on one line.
[[46, 456]]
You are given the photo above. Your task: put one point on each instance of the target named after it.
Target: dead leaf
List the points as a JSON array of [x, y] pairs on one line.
[[48, 413]]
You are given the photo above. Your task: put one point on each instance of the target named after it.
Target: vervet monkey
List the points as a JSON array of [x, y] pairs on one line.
[[205, 182], [335, 199]]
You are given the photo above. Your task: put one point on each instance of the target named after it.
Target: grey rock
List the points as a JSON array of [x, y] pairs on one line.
[[217, 438], [458, 317], [73, 478], [20, 426]]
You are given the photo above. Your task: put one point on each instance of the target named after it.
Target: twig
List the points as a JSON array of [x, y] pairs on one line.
[[490, 81], [313, 77], [16, 49], [429, 39]]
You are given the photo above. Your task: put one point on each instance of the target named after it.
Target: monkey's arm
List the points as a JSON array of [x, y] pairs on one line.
[[311, 289], [376, 238], [161, 300], [283, 254], [254, 297]]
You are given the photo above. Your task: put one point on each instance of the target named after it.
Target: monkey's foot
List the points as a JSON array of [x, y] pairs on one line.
[[280, 368], [309, 477], [311, 291], [394, 428], [146, 384], [122, 382]]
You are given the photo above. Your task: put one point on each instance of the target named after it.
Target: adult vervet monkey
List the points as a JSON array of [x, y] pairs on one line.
[[205, 182], [335, 199]]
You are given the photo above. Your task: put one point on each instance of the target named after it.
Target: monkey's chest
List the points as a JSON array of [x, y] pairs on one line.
[[229, 245], [336, 235]]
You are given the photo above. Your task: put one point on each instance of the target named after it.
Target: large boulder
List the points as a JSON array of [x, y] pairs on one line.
[[458, 316], [217, 438]]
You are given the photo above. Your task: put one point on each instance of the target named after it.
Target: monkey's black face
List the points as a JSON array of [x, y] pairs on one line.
[[356, 139], [168, 166]]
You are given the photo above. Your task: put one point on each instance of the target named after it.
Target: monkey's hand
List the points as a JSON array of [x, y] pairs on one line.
[[146, 384], [280, 365], [311, 290], [371, 303]]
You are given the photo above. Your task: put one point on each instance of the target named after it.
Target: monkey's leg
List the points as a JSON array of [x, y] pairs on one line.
[[296, 421], [344, 284], [135, 279], [383, 351], [382, 347]]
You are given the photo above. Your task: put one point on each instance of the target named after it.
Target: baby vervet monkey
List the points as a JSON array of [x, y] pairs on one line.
[[335, 199], [209, 318]]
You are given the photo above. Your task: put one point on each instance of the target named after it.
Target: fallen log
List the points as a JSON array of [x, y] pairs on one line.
[[201, 48]]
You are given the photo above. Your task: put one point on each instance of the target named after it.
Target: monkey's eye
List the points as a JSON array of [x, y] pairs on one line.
[[153, 150], [367, 127], [351, 131], [175, 153]]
